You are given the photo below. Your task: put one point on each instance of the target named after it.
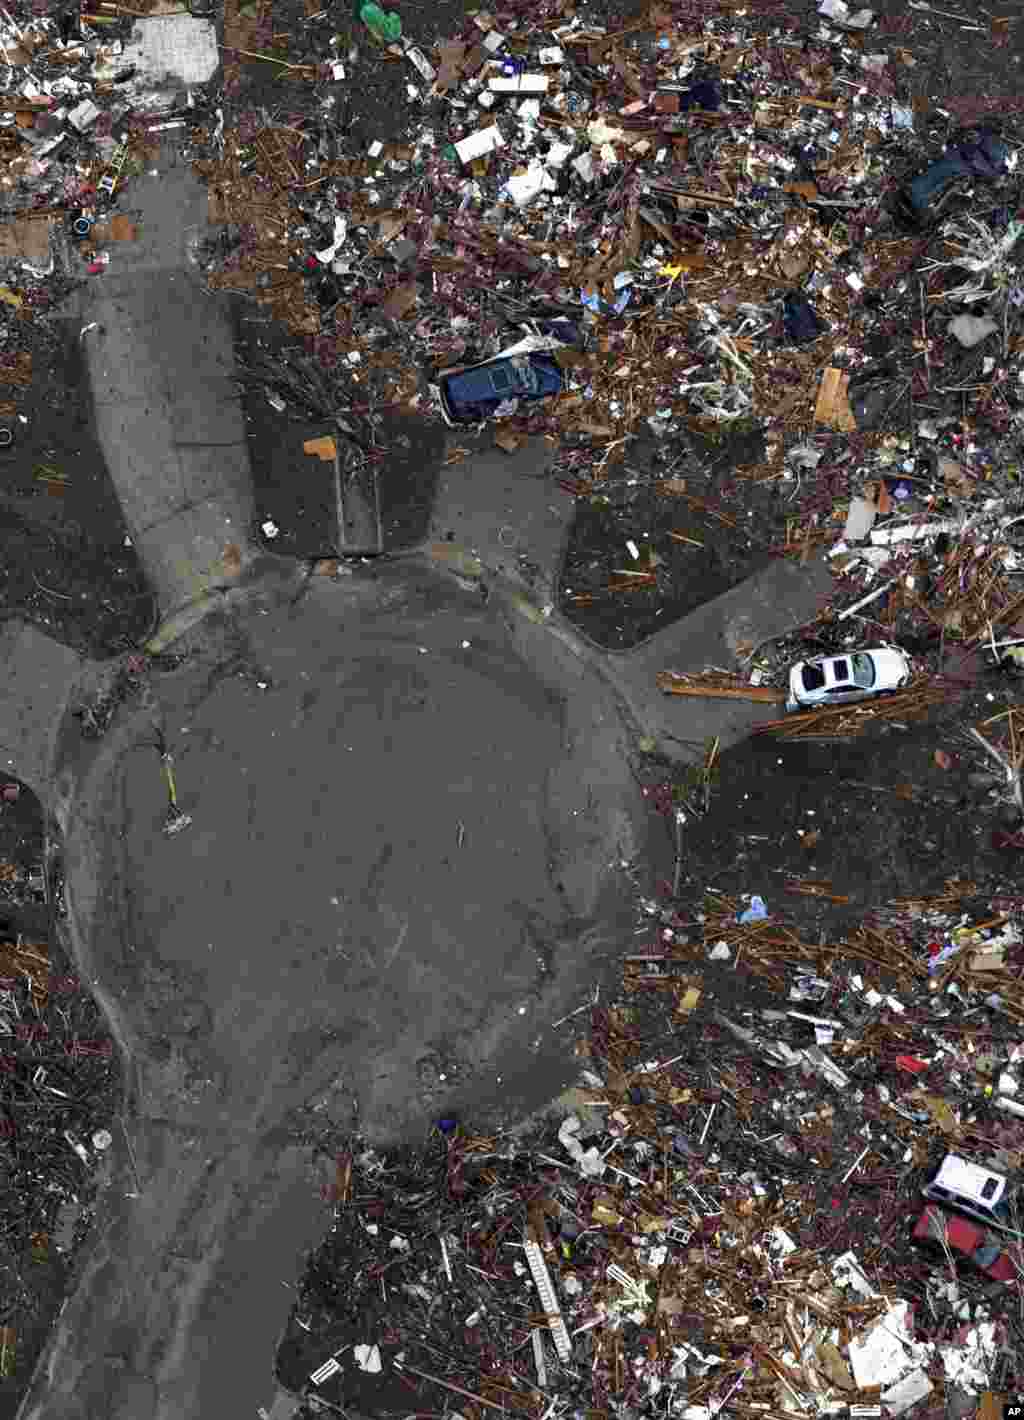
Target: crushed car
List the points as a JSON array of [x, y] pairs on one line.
[[967, 1242], [966, 1187], [840, 680], [524, 372]]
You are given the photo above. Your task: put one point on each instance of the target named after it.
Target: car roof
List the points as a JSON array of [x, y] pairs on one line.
[[959, 1175]]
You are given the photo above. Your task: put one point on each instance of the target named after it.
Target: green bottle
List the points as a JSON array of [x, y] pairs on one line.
[[386, 25]]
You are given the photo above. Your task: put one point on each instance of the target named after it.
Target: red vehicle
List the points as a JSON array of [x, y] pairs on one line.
[[971, 1243]]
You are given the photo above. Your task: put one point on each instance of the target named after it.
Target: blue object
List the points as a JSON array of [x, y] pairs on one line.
[[984, 159], [704, 96], [469, 395], [801, 321], [756, 912], [596, 303], [448, 1124]]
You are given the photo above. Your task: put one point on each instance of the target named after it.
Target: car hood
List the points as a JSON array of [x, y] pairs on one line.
[[890, 665]]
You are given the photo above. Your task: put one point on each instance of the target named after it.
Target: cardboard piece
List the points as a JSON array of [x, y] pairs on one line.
[[324, 448], [833, 407]]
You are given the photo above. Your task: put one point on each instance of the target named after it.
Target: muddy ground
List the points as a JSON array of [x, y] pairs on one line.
[[296, 491], [876, 816], [66, 565]]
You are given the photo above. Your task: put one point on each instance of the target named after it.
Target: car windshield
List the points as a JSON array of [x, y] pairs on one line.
[[501, 379], [525, 376], [813, 677], [863, 670]]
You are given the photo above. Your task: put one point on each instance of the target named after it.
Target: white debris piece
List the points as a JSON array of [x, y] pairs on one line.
[[860, 519], [588, 1161], [558, 155], [519, 84], [847, 1272], [368, 1359], [551, 55], [841, 14], [885, 1353], [910, 532], [970, 1365], [480, 143], [524, 188], [971, 330], [599, 132], [584, 167], [549, 1301], [340, 233], [780, 1244], [83, 116], [175, 45], [906, 1392]]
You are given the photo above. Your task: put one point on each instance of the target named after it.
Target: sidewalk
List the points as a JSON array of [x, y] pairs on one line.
[[502, 509], [168, 415], [39, 677]]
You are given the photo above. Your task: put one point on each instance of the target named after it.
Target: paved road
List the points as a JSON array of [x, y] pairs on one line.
[[403, 864], [168, 416]]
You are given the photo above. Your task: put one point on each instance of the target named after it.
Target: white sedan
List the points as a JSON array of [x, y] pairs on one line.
[[840, 680]]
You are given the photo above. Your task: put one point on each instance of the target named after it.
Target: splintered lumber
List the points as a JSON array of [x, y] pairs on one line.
[[849, 720], [718, 688]]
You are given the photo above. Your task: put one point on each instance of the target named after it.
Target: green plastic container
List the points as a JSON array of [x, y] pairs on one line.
[[385, 24]]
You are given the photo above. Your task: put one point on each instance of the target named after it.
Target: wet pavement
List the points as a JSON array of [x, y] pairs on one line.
[[403, 864]]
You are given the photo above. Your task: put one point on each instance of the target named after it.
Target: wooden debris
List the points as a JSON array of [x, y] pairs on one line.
[[717, 687], [833, 406], [325, 449], [846, 721], [808, 887]]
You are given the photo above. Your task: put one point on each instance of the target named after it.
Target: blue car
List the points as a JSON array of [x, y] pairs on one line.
[[472, 393]]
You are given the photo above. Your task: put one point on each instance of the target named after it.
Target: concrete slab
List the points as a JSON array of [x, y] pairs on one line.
[[168, 416], [499, 506], [722, 633], [172, 49], [39, 677]]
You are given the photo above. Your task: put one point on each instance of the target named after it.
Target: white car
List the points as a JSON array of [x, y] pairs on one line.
[[973, 1189], [840, 680]]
